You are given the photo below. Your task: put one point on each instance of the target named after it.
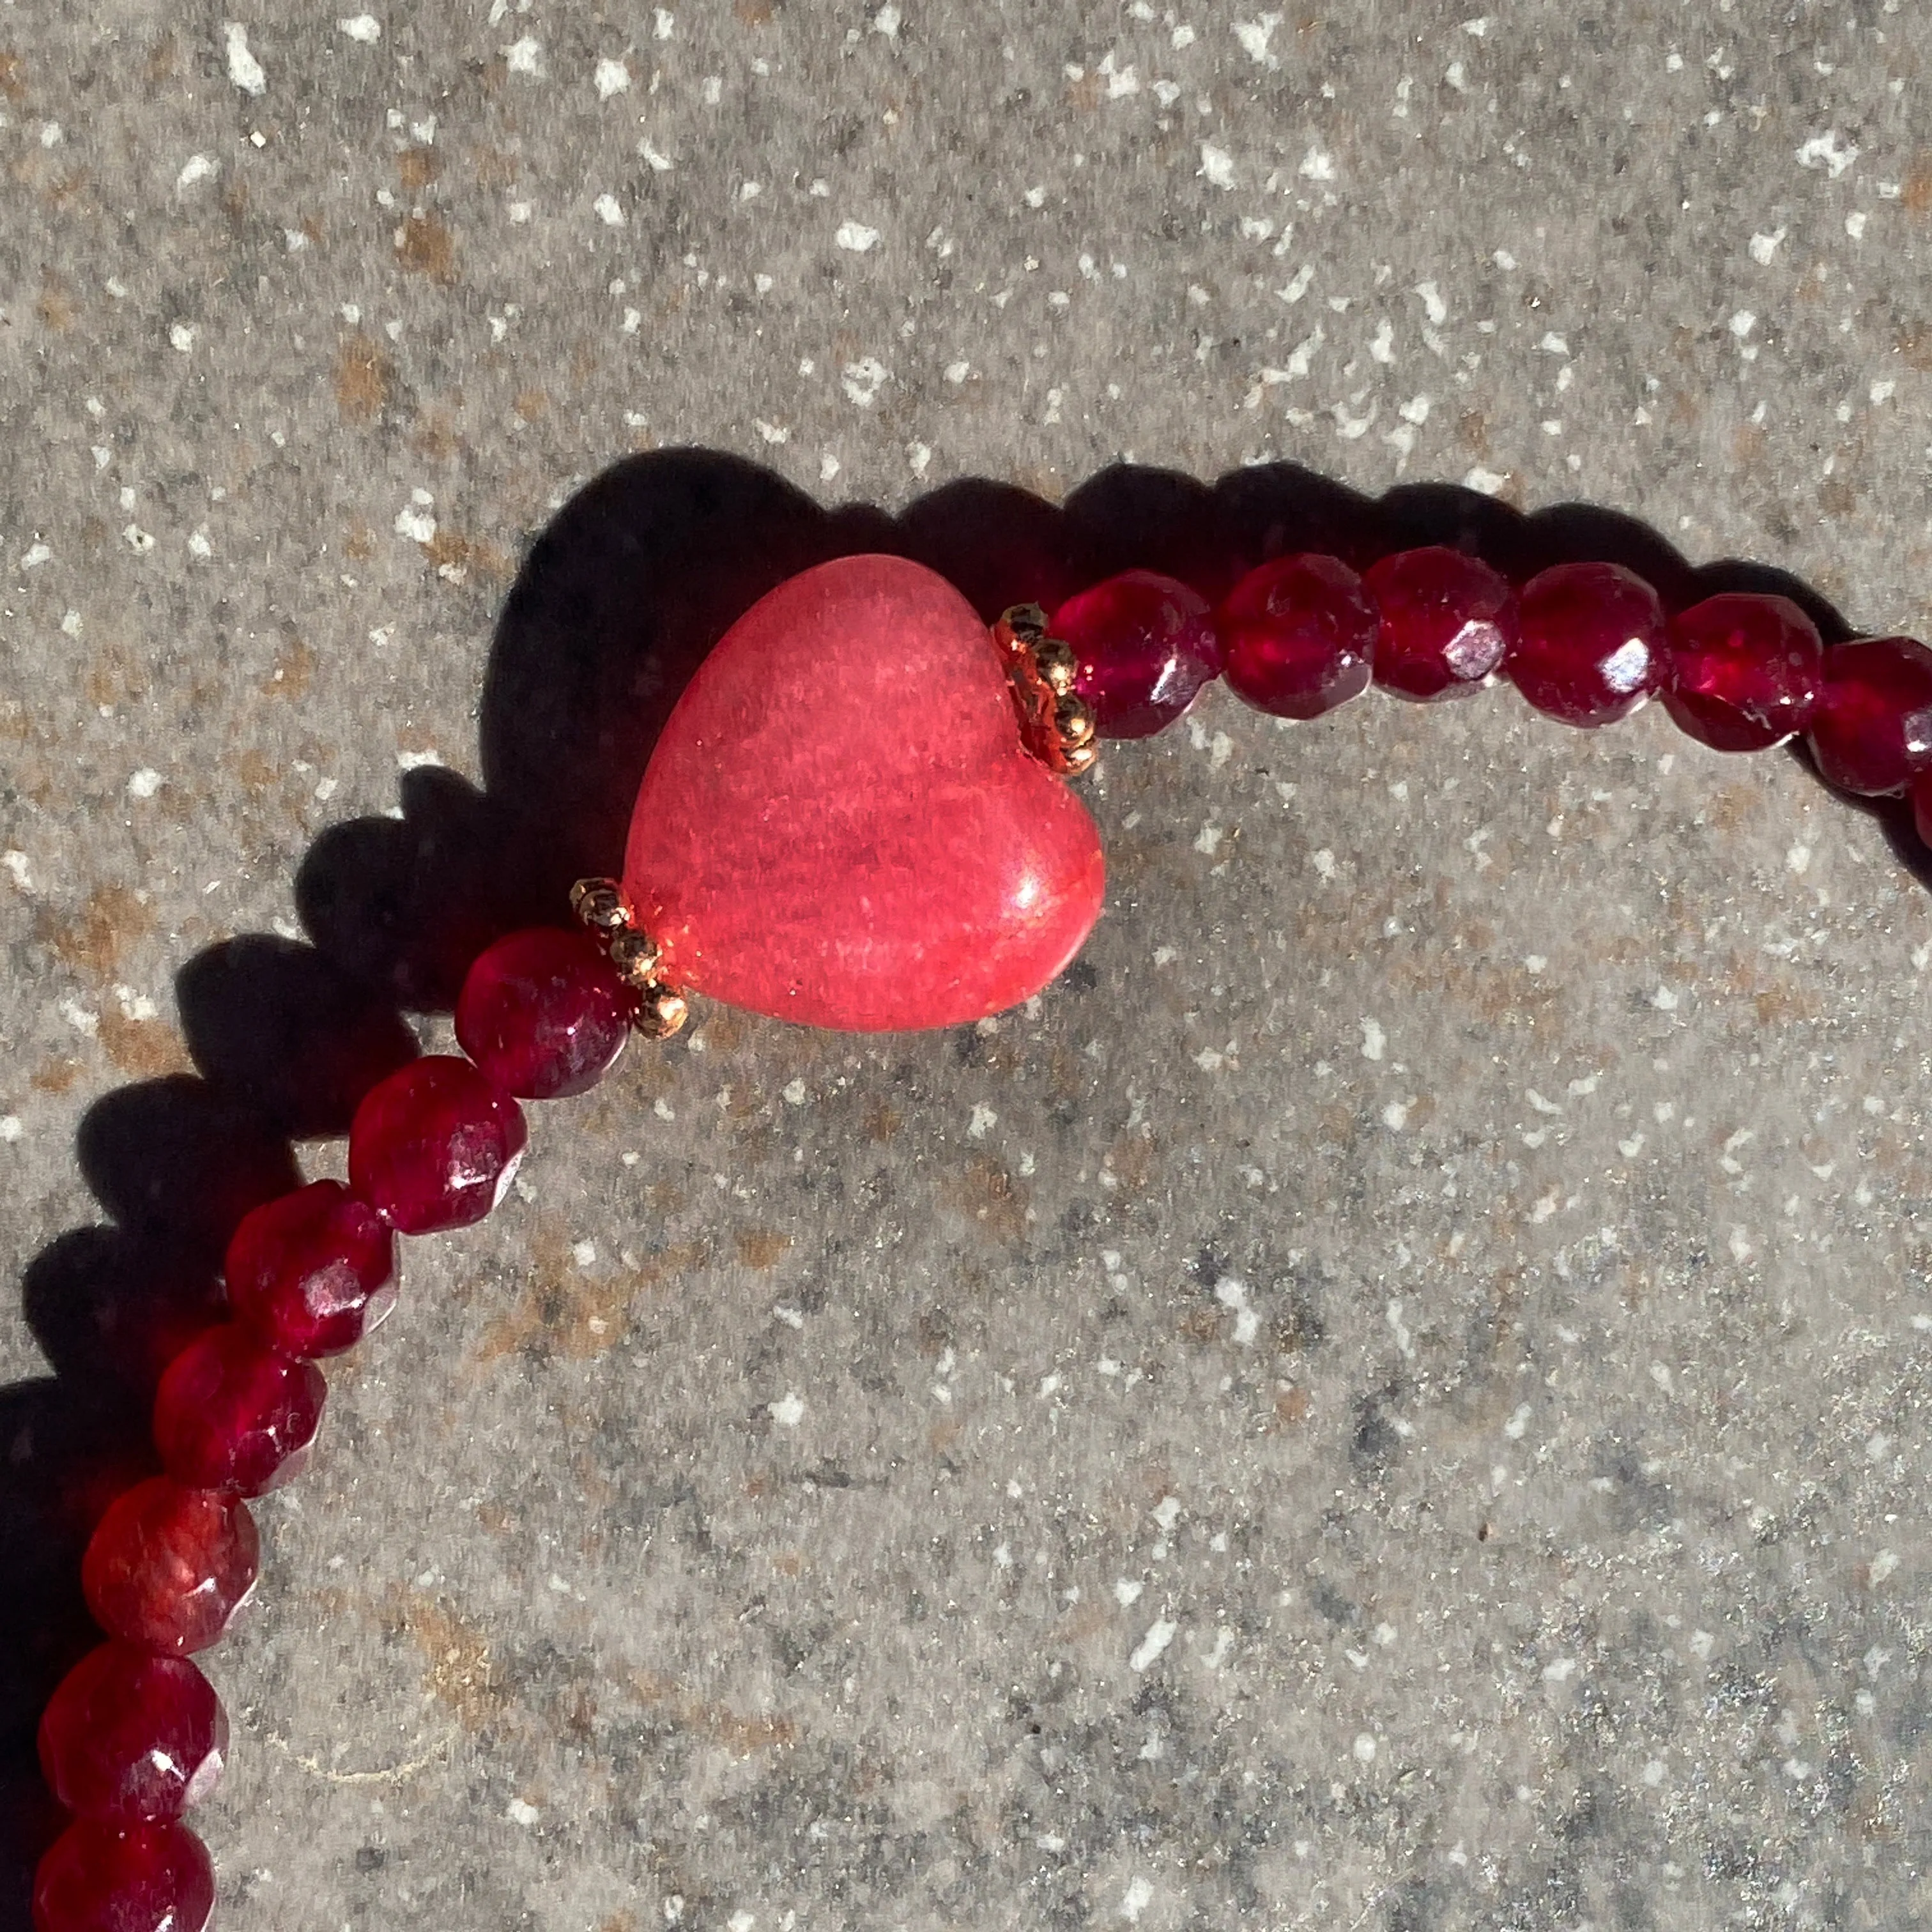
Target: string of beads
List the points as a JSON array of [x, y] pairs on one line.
[[134, 1735]]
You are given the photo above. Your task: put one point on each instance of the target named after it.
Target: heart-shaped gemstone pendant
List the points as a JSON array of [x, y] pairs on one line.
[[840, 825]]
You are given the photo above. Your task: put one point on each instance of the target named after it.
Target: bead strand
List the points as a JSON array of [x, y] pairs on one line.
[[134, 1735], [1586, 643]]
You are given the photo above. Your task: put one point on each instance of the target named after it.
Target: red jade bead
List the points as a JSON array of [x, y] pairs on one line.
[[543, 1013], [1147, 647], [1447, 622], [169, 1568], [1592, 643], [232, 1415], [312, 1272], [1745, 671], [1872, 731], [435, 1145], [147, 1878], [130, 1739], [1298, 636]]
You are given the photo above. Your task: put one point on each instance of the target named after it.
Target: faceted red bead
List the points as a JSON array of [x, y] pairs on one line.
[[1447, 622], [1592, 643], [1147, 645], [139, 1878], [312, 1273], [435, 1145], [128, 1738], [1745, 671], [1298, 635], [169, 1568], [1872, 731], [543, 1013], [230, 1414]]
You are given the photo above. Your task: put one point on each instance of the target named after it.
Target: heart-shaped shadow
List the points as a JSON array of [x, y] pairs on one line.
[[613, 609]]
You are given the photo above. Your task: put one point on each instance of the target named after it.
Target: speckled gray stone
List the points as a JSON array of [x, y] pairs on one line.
[[1395, 1397]]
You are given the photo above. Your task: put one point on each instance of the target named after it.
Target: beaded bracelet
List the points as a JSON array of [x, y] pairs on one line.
[[807, 844]]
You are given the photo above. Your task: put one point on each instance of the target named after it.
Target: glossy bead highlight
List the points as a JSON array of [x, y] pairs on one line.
[[137, 1878], [1146, 648], [313, 1272], [543, 1013], [168, 1567], [1871, 734], [1745, 671], [1298, 636], [231, 1414], [128, 1738], [435, 1145], [1447, 621], [1592, 644]]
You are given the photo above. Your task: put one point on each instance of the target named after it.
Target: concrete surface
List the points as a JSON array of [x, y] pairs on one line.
[[1396, 1398]]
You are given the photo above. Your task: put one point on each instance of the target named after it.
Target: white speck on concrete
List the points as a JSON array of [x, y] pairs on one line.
[[521, 1814], [788, 1411], [1233, 1294], [795, 1093], [1373, 1040], [363, 27], [1364, 1748], [983, 1120], [609, 210], [1255, 35], [243, 69], [1217, 166], [10, 1129], [856, 237], [1317, 165], [861, 380], [1830, 151], [196, 168], [610, 78], [1139, 1896], [1764, 247], [145, 783], [20, 868], [526, 57], [1127, 1592], [181, 335], [1161, 1633]]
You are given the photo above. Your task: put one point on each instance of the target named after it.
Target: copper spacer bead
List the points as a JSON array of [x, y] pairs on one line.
[[1026, 621], [1053, 659], [1075, 721], [660, 1012], [635, 955], [601, 905]]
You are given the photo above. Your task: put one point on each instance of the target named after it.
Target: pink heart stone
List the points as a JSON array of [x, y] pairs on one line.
[[839, 825]]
